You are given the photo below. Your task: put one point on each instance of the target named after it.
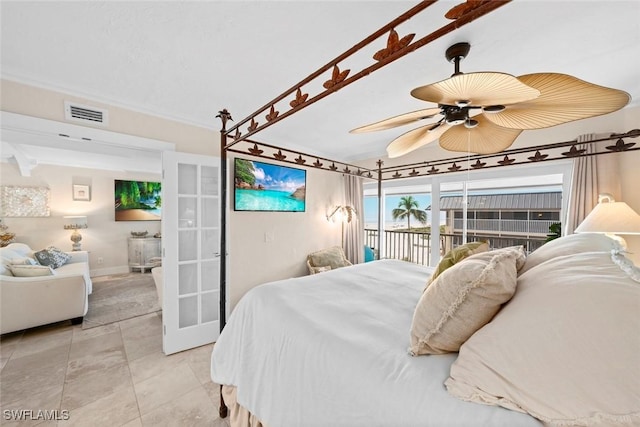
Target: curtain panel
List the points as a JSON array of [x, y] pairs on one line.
[[354, 230], [591, 176]]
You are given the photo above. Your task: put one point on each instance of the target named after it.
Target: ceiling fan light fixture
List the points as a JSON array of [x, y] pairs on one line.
[[463, 103], [470, 123]]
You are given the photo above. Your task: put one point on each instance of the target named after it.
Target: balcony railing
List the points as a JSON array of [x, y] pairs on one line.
[[415, 246], [525, 227]]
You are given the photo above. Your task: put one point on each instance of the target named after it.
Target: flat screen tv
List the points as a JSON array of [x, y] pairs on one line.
[[137, 200], [271, 188]]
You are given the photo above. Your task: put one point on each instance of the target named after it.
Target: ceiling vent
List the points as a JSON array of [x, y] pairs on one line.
[[85, 114]]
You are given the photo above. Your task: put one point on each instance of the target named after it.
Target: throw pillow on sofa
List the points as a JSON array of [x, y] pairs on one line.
[[31, 270], [23, 261], [52, 257]]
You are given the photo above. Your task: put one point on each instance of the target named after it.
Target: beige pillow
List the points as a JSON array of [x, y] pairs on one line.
[[462, 300], [456, 255], [31, 270], [571, 244], [316, 270], [333, 257], [565, 349], [23, 261]]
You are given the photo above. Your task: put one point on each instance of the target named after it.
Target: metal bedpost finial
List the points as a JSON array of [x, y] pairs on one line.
[[225, 116]]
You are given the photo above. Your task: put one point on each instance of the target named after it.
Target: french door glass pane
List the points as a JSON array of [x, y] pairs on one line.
[[210, 243], [187, 212], [210, 212], [210, 311], [187, 279], [187, 311], [187, 245], [187, 179], [210, 273], [209, 178]]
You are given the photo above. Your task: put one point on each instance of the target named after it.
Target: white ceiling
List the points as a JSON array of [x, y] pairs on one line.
[[188, 60]]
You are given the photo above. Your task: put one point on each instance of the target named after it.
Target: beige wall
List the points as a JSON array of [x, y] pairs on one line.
[[268, 246], [48, 104], [105, 238]]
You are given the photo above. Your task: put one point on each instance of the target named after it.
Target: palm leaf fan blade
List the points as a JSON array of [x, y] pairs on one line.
[[484, 88], [415, 139], [402, 119], [486, 138], [563, 98]]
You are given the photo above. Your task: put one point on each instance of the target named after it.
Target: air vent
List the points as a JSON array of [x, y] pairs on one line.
[[86, 114]]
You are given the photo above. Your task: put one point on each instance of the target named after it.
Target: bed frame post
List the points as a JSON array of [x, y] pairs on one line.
[[380, 225], [224, 116]]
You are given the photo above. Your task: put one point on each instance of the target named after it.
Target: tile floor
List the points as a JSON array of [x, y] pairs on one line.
[[113, 375]]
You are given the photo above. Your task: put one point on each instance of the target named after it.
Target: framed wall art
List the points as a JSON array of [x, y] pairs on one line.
[[18, 201], [81, 192]]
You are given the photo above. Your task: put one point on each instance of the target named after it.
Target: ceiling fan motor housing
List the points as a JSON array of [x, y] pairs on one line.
[[456, 116]]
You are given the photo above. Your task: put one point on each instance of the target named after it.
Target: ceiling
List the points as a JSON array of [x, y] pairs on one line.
[[187, 60]]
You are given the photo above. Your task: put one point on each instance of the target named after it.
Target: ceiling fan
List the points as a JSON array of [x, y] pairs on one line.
[[484, 112]]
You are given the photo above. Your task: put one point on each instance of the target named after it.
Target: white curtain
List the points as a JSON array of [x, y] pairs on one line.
[[592, 175], [354, 230]]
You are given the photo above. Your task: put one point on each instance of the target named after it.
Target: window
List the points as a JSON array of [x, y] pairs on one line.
[[513, 206]]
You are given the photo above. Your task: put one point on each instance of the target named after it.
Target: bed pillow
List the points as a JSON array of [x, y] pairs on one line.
[[565, 348], [52, 256], [571, 244], [462, 300], [30, 270], [456, 255], [316, 270]]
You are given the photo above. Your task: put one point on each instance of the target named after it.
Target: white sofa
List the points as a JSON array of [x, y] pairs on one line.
[[26, 302]]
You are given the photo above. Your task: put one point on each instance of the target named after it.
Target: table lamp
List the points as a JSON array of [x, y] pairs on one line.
[[611, 218], [75, 223]]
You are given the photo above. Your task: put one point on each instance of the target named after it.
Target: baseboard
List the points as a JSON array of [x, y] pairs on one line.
[[122, 269]]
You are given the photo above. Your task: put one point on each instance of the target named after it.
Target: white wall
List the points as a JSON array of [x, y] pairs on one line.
[[105, 238], [268, 246]]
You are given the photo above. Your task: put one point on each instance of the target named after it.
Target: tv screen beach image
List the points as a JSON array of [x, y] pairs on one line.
[[266, 187]]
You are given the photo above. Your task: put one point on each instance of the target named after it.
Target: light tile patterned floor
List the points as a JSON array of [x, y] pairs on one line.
[[113, 375]]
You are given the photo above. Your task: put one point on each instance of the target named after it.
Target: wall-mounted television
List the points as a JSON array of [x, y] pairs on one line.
[[266, 187], [137, 200]]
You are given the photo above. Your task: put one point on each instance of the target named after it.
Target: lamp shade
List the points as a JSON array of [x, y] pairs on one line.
[[75, 222], [611, 218]]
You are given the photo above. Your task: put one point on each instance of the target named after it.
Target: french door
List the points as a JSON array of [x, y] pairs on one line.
[[191, 258]]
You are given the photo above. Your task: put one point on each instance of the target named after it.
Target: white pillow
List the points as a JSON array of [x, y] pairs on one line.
[[31, 270], [571, 244], [565, 349]]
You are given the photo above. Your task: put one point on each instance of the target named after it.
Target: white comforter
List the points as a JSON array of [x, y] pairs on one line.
[[331, 350]]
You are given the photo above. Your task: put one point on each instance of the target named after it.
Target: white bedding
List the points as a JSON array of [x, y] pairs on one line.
[[331, 350]]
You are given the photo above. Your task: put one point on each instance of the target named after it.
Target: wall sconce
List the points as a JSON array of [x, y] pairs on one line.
[[610, 217], [75, 223], [344, 214]]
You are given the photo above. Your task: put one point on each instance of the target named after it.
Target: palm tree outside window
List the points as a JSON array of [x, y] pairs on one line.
[[408, 207]]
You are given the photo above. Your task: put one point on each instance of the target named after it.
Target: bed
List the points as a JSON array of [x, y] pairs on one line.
[[332, 348], [559, 346]]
